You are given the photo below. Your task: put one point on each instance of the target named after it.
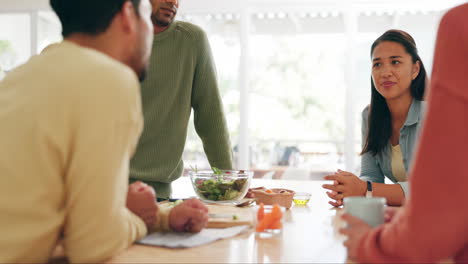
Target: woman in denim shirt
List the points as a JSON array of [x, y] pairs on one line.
[[390, 125]]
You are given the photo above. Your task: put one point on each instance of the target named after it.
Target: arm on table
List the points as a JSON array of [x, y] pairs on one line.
[[371, 171], [107, 123]]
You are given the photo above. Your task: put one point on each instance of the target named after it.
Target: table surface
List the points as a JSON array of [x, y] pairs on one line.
[[309, 235]]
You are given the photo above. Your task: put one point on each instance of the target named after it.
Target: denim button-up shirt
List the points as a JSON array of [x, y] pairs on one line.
[[376, 168]]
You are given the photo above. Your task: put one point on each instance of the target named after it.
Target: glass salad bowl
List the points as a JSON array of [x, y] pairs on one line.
[[221, 186]]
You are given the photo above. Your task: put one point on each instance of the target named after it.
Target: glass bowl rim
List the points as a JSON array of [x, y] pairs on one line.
[[302, 194], [226, 173]]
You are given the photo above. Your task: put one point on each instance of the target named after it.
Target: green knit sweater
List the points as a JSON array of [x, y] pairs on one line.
[[181, 77]]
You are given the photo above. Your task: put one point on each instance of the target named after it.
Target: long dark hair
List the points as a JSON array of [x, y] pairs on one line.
[[380, 120]]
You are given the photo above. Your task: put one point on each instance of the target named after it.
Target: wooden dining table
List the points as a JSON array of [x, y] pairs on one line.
[[309, 235]]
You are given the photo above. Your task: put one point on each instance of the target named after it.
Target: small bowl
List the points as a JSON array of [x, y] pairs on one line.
[[282, 197], [301, 198], [228, 186]]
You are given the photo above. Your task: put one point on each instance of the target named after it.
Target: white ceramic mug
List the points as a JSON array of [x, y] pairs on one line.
[[370, 210]]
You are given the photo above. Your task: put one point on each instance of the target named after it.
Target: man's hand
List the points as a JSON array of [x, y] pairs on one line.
[[189, 216], [141, 200], [355, 232]]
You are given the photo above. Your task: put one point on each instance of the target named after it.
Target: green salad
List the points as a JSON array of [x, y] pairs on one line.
[[220, 188]]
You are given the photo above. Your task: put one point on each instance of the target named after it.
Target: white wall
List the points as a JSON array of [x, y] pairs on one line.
[[23, 5]]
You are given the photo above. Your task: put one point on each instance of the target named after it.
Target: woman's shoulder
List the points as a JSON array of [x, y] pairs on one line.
[[365, 112], [422, 106]]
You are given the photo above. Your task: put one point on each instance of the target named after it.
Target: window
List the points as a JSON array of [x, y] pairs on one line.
[[225, 45], [15, 41], [18, 42], [49, 29], [297, 101]]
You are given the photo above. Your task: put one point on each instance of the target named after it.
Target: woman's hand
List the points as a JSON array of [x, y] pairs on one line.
[[390, 212], [335, 196], [345, 184], [355, 232]]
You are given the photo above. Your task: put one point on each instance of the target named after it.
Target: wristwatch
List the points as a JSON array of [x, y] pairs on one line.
[[369, 189]]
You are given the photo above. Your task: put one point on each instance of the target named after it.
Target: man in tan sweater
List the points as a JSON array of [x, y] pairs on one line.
[[70, 120]]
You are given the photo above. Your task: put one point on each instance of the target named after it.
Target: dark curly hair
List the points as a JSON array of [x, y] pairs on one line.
[[87, 16]]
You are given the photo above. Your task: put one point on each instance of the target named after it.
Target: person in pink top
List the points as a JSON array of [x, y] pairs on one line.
[[433, 224]]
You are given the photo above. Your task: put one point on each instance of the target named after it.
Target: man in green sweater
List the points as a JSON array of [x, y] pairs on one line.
[[181, 77]]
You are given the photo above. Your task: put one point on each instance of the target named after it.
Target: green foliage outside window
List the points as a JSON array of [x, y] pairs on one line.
[[6, 54]]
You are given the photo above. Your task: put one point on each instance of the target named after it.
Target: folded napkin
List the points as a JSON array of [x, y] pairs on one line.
[[185, 240]]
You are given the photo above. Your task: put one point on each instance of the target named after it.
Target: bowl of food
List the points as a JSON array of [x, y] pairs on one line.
[[221, 186], [282, 197]]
